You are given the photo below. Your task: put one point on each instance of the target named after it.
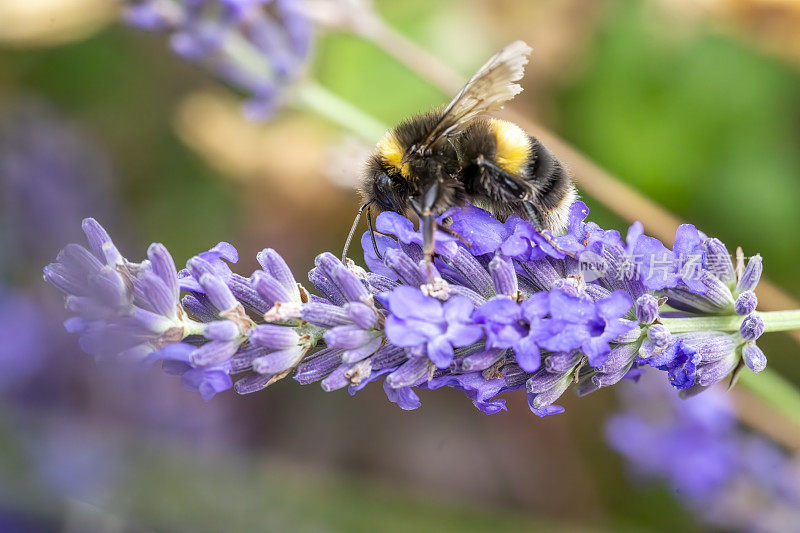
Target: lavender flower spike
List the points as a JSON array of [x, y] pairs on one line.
[[259, 51], [122, 308], [506, 311]]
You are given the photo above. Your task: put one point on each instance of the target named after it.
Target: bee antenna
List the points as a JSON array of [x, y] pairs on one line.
[[372, 232], [353, 231]]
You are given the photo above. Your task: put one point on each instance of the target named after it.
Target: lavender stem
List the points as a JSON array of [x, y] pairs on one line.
[[773, 321]]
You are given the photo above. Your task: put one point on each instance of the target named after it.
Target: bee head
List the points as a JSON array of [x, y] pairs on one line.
[[386, 187], [403, 174]]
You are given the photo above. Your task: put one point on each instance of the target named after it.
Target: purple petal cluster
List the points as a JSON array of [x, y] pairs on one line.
[[501, 307], [122, 308], [731, 479], [257, 46]]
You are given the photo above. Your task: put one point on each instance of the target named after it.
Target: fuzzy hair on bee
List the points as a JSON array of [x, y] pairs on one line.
[[448, 156]]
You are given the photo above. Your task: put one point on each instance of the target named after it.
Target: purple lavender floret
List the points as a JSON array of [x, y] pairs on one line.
[[257, 46], [501, 307], [429, 327]]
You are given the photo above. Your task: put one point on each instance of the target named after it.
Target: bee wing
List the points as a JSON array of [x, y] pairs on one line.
[[491, 87]]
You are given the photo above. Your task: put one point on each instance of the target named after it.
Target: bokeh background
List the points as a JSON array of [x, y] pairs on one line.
[[694, 104]]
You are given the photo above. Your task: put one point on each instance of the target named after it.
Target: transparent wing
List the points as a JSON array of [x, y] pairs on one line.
[[491, 87]]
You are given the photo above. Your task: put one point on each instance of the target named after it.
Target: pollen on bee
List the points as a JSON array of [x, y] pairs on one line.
[[513, 145], [391, 151]]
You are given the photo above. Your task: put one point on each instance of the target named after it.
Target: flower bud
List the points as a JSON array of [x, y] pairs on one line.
[[352, 287], [324, 315], [711, 346], [753, 357], [275, 337], [359, 353], [362, 315], [213, 353], [473, 272], [719, 261], [324, 285], [503, 275], [348, 337], [218, 293], [405, 268], [320, 365], [409, 373], [620, 357], [715, 296], [646, 309], [563, 361], [542, 273], [716, 371], [746, 303], [269, 288], [752, 327], [252, 383], [751, 275], [221, 330], [278, 361], [542, 381], [273, 263], [549, 396], [657, 341], [162, 299], [337, 379], [606, 379]]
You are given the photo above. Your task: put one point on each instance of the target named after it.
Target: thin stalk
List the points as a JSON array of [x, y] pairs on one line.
[[320, 100], [773, 321]]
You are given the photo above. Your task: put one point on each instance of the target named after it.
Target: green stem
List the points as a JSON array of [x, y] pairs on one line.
[[316, 98], [773, 321]]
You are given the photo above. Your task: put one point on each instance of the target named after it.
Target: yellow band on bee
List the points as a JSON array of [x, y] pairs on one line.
[[513, 145], [392, 152]]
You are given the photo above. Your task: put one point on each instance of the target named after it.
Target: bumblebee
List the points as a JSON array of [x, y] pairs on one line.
[[446, 157]]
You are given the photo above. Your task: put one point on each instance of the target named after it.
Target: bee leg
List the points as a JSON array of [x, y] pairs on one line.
[[536, 220], [428, 240], [453, 233]]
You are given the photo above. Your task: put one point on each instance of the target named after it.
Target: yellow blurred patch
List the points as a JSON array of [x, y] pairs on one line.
[[52, 22], [513, 145], [390, 151], [288, 155]]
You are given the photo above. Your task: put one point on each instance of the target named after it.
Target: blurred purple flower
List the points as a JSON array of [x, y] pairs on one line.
[[51, 177], [24, 338], [731, 479], [257, 46]]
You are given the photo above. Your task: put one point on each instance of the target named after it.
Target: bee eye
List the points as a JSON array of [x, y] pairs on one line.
[[383, 191]]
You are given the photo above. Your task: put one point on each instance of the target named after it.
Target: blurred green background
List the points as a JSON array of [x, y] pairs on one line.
[[698, 109]]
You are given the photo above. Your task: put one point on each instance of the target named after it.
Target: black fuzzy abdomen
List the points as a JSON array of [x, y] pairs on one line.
[[548, 176]]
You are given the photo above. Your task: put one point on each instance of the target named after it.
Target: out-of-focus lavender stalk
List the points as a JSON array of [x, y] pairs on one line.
[[50, 178], [52, 175], [730, 478], [258, 46], [502, 310]]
